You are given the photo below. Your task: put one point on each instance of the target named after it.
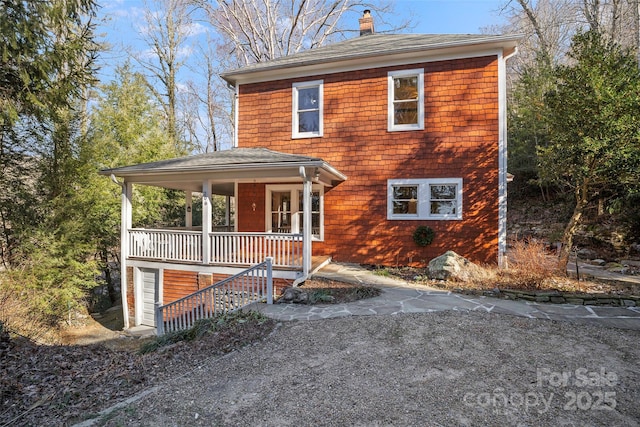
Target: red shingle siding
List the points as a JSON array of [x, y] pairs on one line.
[[178, 284], [460, 139], [280, 284]]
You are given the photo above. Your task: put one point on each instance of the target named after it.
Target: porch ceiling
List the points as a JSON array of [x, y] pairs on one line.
[[224, 168]]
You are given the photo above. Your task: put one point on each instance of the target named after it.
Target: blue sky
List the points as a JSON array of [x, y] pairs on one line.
[[123, 18], [451, 16], [122, 21]]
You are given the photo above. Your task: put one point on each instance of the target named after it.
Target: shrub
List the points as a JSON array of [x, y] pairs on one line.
[[382, 272], [52, 277], [19, 316], [529, 264], [204, 327], [319, 296]]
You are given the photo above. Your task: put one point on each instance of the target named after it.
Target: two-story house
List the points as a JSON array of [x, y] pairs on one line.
[[340, 153]]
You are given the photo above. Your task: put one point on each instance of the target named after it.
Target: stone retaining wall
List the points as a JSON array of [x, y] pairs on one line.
[[568, 298]]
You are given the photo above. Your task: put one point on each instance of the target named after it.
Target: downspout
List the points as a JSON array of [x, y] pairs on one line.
[[306, 227], [124, 247], [236, 96], [502, 157], [236, 114]]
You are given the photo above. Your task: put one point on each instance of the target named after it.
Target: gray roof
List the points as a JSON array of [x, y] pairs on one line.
[[235, 158], [229, 166], [373, 45]]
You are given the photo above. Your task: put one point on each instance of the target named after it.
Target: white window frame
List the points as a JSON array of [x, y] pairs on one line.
[[424, 198], [295, 117], [295, 201], [419, 72]]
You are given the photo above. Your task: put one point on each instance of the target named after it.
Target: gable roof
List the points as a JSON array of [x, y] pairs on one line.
[[375, 49]]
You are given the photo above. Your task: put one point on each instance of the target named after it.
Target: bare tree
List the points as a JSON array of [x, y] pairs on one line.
[[549, 25], [208, 101], [261, 30], [167, 26], [206, 114], [591, 11]]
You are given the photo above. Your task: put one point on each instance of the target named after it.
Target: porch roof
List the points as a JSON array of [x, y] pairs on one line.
[[226, 167]]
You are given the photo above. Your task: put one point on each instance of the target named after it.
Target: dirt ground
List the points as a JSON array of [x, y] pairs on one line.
[[57, 385], [433, 369]]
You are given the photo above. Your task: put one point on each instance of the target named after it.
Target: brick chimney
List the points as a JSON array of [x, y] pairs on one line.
[[366, 23]]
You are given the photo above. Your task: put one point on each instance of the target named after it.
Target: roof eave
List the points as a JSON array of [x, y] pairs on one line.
[[227, 169], [205, 168], [356, 61]]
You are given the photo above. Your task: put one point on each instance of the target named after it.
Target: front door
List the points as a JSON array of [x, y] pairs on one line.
[[150, 294]]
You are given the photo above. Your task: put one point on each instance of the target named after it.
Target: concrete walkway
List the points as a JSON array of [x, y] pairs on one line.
[[399, 296]]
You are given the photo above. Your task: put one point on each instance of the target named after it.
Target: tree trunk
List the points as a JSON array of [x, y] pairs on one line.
[[570, 231], [636, 13], [111, 290]]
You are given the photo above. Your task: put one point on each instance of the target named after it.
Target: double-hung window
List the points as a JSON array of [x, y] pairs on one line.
[[307, 109], [438, 198], [406, 100], [285, 209]]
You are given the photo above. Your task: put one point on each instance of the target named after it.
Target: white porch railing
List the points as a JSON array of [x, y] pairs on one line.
[[251, 248], [168, 245], [252, 285], [225, 248]]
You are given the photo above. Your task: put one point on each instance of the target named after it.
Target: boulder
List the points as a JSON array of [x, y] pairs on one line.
[[586, 253], [294, 295], [451, 266], [630, 263]]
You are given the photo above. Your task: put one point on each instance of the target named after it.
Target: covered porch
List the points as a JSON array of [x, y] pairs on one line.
[[278, 200], [226, 248]]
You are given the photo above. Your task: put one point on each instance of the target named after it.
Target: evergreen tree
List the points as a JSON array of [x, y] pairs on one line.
[[126, 127], [47, 54], [593, 119]]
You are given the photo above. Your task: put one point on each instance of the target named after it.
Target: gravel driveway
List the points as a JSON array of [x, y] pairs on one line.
[[433, 369]]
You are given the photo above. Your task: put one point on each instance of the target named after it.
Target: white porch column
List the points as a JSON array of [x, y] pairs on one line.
[[306, 227], [206, 220], [227, 212], [188, 215], [125, 225]]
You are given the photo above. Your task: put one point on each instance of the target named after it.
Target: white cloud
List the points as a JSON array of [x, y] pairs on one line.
[[194, 29], [182, 88], [185, 52]]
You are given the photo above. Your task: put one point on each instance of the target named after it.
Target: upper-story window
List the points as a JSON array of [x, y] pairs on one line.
[[307, 109], [406, 100]]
